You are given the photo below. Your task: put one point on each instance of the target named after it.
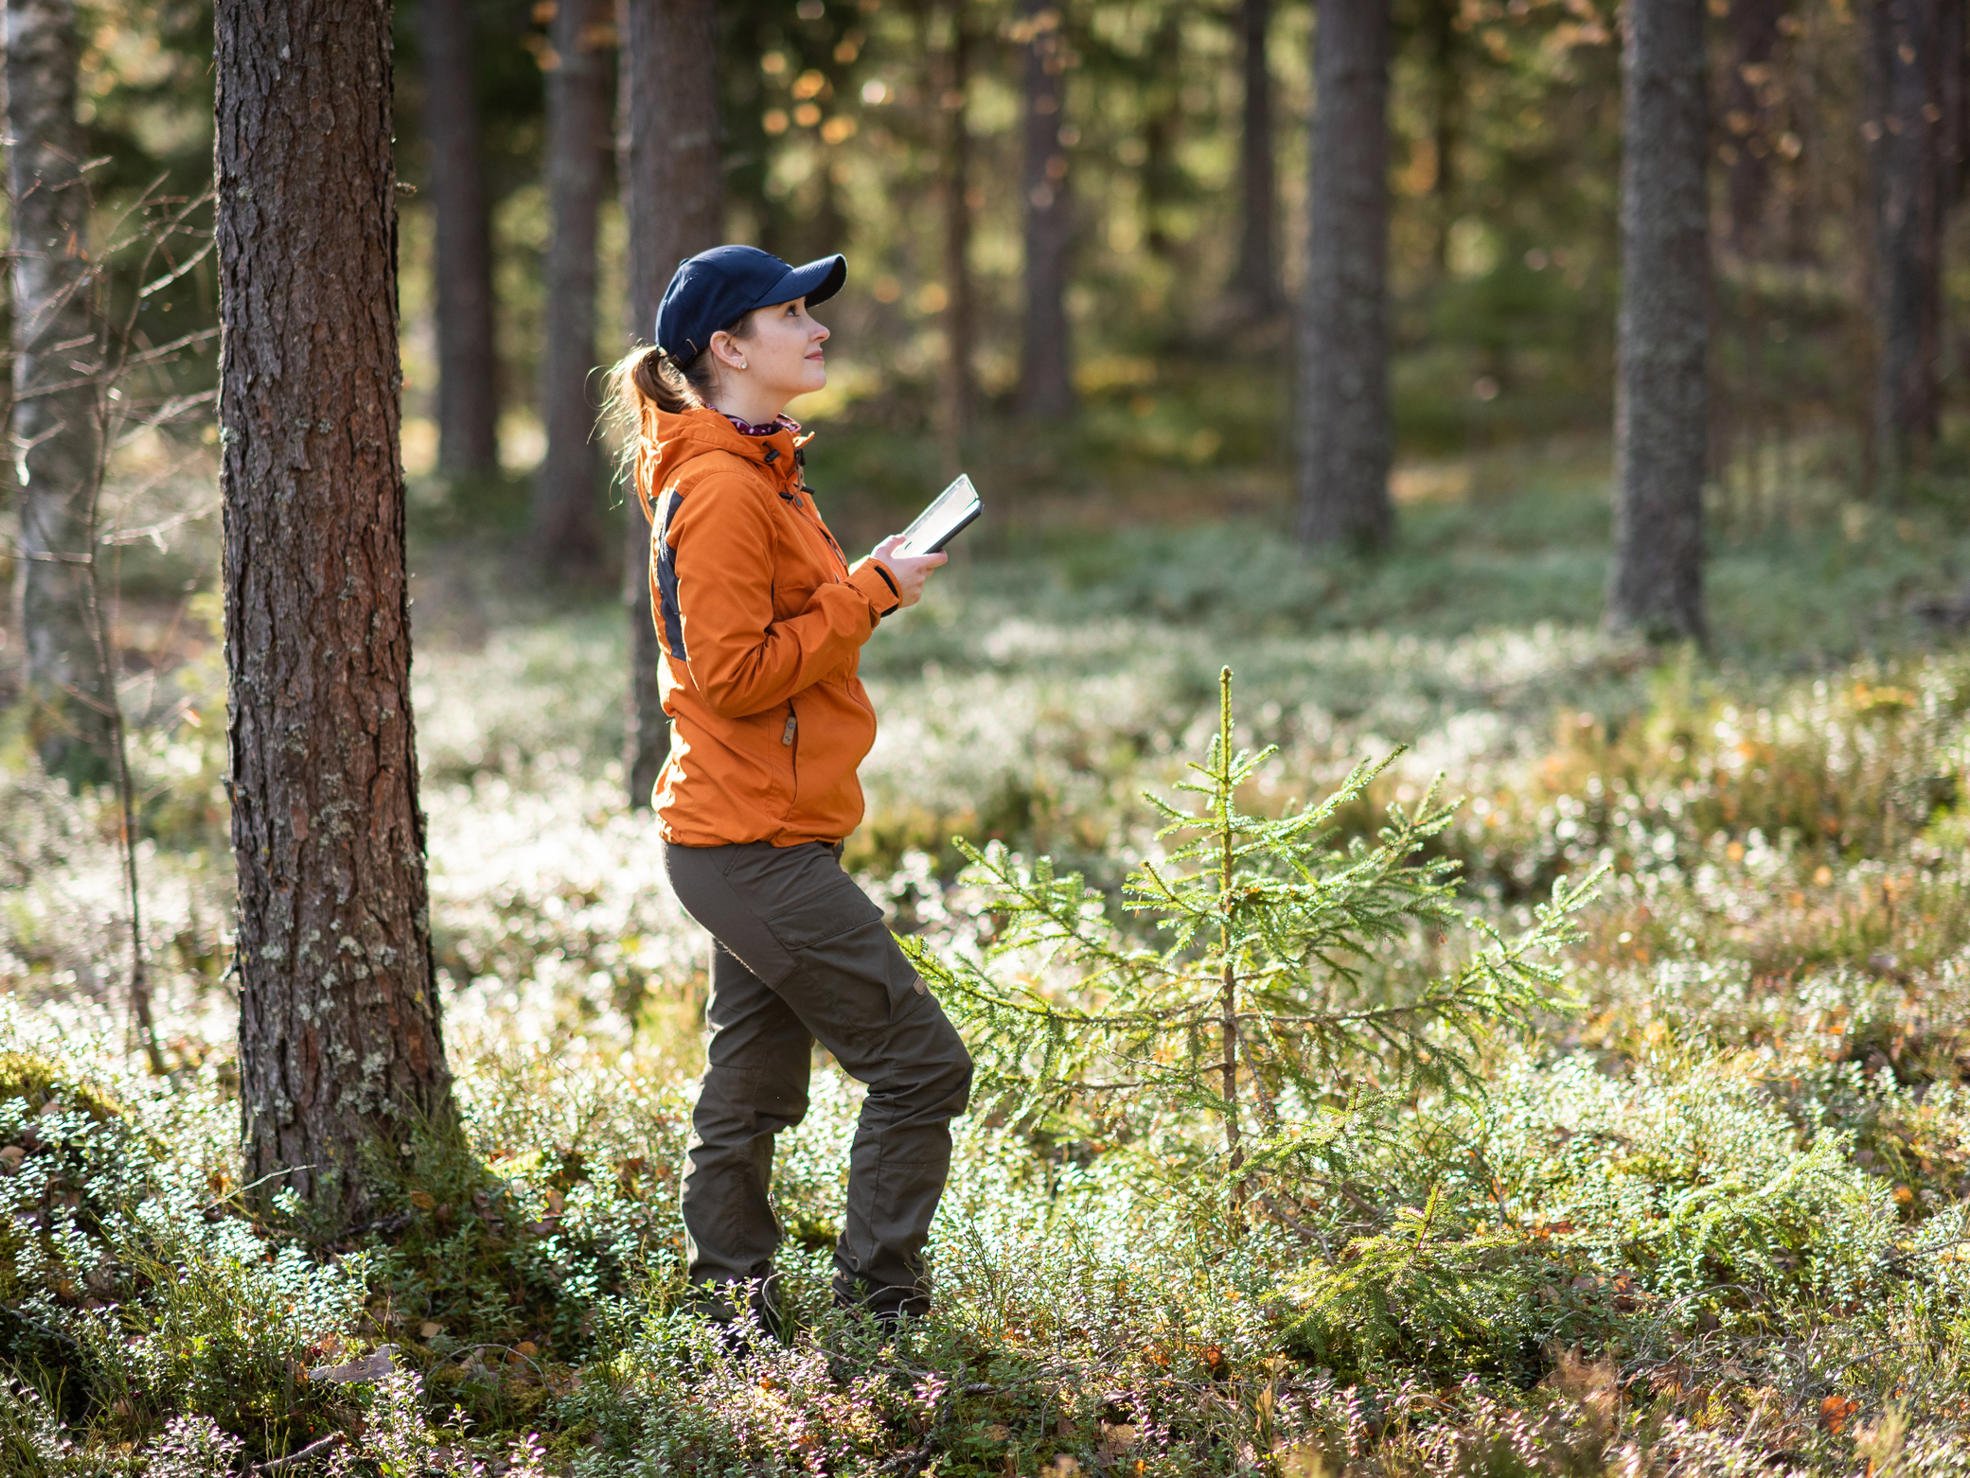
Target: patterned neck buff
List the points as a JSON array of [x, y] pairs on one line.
[[747, 428]]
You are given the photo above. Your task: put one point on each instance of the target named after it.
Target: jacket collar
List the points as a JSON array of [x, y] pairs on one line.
[[686, 435]]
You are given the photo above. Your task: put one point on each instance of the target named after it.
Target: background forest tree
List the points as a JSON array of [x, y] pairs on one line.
[[1502, 256]]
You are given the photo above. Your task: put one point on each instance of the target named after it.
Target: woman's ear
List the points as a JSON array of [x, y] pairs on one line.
[[726, 351]]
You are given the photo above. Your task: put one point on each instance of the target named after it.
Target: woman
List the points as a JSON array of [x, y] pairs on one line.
[[761, 619]]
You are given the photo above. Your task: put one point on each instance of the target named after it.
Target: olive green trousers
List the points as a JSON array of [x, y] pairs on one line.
[[801, 954]]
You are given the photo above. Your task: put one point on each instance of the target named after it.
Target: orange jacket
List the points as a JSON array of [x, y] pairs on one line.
[[762, 620]]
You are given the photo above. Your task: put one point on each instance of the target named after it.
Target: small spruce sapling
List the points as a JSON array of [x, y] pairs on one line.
[[1272, 1006]]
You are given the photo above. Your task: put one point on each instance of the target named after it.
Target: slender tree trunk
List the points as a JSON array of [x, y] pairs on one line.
[[959, 389], [1046, 381], [340, 1050], [468, 382], [1906, 158], [1256, 290], [1655, 587], [1447, 123], [1754, 39], [1162, 93], [567, 510], [673, 190], [56, 427], [1953, 76], [1344, 440]]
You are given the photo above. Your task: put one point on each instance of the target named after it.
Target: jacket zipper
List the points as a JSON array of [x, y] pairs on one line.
[[803, 500], [787, 736]]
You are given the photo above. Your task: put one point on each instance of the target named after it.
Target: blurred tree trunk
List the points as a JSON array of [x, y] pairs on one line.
[[55, 427], [1655, 586], [468, 383], [1447, 125], [959, 389], [1953, 77], [673, 192], [1046, 380], [1162, 102], [1754, 31], [567, 513], [1344, 436], [1256, 290], [1905, 152], [341, 1055]]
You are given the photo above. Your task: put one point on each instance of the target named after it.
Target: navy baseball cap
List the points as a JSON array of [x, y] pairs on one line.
[[714, 288]]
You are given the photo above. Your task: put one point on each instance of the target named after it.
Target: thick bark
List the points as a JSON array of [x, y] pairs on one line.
[[340, 1050], [1256, 288], [958, 388], [1906, 158], [468, 381], [567, 510], [673, 190], [1754, 28], [1046, 382], [1344, 435], [1655, 586], [56, 426]]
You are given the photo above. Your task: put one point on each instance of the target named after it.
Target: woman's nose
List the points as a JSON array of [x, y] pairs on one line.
[[820, 333]]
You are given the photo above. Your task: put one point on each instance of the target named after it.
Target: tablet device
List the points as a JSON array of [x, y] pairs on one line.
[[938, 524]]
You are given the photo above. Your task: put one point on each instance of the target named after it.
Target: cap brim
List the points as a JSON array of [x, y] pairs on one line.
[[816, 281]]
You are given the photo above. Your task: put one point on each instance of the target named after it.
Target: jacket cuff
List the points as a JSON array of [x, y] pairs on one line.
[[872, 578]]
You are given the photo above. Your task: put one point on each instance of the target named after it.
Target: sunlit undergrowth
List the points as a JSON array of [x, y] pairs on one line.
[[1712, 1221]]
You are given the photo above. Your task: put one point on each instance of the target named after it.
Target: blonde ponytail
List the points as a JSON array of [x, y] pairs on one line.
[[644, 381], [647, 380]]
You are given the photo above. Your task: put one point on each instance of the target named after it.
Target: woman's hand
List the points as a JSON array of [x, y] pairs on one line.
[[909, 570]]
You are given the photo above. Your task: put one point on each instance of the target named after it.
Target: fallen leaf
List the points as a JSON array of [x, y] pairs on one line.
[[1116, 1437], [1835, 1411]]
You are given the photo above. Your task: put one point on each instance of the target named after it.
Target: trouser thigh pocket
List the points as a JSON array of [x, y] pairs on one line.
[[860, 970]]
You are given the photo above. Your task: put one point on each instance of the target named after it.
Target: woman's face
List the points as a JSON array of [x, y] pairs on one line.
[[782, 352]]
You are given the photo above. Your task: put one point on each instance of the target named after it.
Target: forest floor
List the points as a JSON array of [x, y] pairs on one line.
[[1715, 1220]]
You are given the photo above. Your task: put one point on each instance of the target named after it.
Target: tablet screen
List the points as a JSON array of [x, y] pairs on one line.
[[949, 512]]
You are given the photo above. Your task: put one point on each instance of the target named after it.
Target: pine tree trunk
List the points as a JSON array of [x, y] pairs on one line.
[[1953, 77], [1447, 124], [56, 426], [673, 190], [1162, 94], [1256, 290], [567, 510], [959, 389], [1754, 39], [1344, 441], [340, 1049], [468, 382], [1046, 382], [1655, 587], [1906, 158]]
